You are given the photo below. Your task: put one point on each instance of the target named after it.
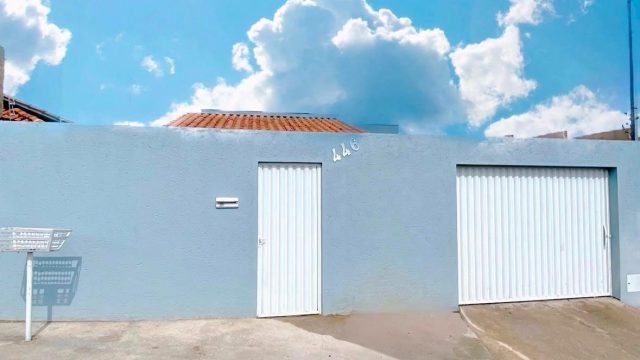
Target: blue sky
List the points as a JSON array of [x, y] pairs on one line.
[[469, 68]]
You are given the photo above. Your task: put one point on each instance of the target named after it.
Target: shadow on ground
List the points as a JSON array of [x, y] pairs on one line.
[[402, 336]]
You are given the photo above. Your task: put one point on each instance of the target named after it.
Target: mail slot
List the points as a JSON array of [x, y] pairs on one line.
[[227, 202]]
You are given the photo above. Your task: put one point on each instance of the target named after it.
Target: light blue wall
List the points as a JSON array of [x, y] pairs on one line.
[[141, 204]]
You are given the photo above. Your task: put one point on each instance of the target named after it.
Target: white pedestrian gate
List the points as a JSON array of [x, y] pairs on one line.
[[289, 236], [532, 233]]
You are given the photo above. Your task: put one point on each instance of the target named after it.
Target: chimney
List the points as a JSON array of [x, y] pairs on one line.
[[1, 81]]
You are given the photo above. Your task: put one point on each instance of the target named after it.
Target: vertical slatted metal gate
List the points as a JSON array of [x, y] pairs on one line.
[[289, 236], [532, 233]]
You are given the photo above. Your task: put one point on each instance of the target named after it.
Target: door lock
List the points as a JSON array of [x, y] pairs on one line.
[[606, 236]]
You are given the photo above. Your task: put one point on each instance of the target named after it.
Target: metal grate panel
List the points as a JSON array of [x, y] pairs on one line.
[[532, 233]]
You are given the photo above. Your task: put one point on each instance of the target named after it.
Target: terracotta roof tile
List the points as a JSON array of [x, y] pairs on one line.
[[272, 122], [22, 111], [19, 115]]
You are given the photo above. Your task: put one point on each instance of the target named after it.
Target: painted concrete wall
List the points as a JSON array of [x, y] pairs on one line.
[[152, 244]]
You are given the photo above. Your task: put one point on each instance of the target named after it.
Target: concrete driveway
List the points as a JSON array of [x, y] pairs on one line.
[[402, 336], [569, 329], [601, 328]]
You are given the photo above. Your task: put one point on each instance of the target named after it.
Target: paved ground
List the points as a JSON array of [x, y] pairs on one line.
[[403, 336], [569, 329]]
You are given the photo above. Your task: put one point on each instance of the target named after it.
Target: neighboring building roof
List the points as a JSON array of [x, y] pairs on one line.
[[554, 135], [621, 134], [608, 135], [18, 115], [17, 110], [263, 121]]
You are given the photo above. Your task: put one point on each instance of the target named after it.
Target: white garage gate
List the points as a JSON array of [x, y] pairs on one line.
[[532, 233]]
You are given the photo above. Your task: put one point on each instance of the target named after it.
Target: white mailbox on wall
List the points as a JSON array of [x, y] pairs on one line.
[[30, 240]]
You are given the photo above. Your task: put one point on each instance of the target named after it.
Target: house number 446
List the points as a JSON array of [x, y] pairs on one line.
[[344, 151]]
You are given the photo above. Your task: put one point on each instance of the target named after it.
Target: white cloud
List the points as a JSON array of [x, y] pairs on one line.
[[248, 94], [579, 112], [525, 12], [103, 46], [585, 5], [136, 89], [100, 50], [357, 32], [491, 74], [339, 57], [129, 123], [158, 69], [151, 65], [171, 65], [240, 57], [29, 39]]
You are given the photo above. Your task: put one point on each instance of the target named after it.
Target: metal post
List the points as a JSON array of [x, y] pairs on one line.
[[632, 114], [28, 296]]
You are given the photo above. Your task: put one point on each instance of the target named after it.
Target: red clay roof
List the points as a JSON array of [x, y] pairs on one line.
[[554, 135], [22, 111], [19, 115], [258, 121]]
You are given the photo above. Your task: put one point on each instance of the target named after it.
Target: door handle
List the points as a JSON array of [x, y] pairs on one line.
[[605, 236], [261, 241]]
